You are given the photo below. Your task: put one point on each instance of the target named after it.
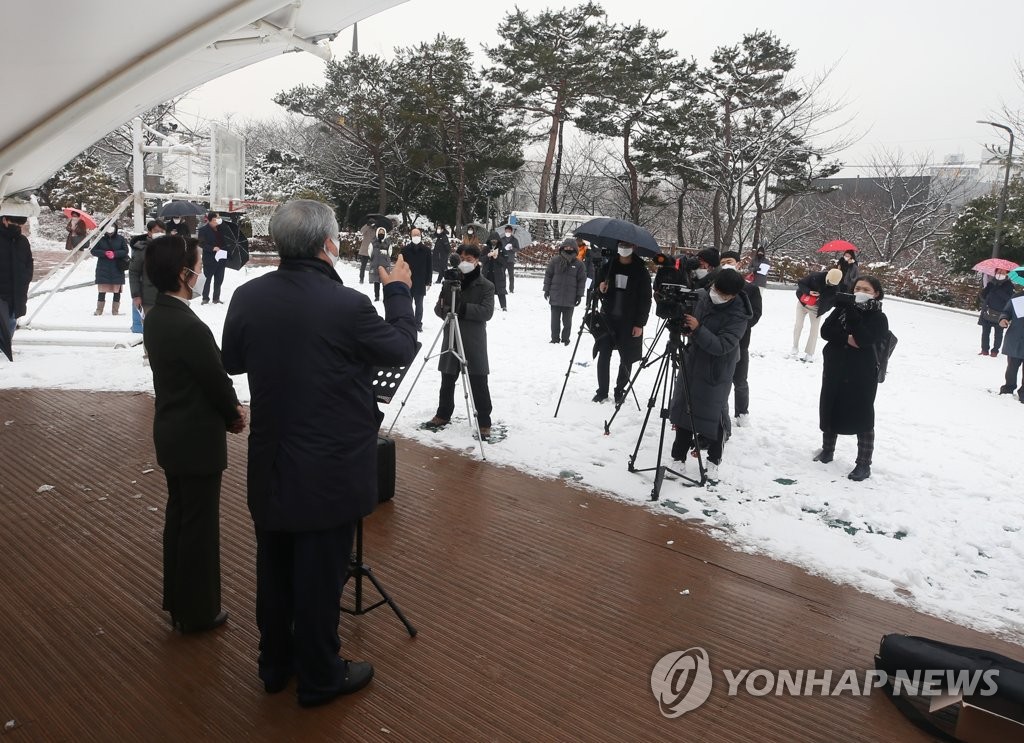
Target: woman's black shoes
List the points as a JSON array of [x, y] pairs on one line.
[[188, 629]]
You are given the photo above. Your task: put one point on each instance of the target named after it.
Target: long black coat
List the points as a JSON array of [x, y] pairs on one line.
[[509, 247], [440, 252], [309, 345], [138, 279], [474, 306], [195, 400], [849, 376], [227, 236], [419, 260], [494, 269], [710, 361], [16, 268], [625, 309], [107, 271]]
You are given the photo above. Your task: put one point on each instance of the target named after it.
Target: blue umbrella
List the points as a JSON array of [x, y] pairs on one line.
[[608, 233]]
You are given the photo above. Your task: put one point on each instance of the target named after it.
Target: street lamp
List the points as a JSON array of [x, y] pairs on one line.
[[1006, 187]]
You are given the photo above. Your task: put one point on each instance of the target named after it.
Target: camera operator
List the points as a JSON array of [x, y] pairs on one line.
[[474, 306], [714, 330], [730, 262], [815, 293], [626, 289], [693, 272]]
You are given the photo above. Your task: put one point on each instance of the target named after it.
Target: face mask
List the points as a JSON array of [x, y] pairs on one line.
[[716, 297], [416, 239], [729, 266], [331, 256], [381, 235], [469, 232], [862, 297], [440, 232], [701, 273], [466, 266], [508, 234], [568, 252], [176, 220], [625, 252], [156, 235], [197, 290], [215, 222], [1000, 277], [108, 231]]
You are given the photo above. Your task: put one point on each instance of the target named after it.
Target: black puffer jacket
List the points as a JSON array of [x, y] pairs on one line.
[[994, 297]]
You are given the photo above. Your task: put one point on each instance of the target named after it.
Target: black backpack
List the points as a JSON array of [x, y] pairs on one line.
[[884, 350]]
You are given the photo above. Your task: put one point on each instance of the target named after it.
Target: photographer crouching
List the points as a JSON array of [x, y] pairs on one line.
[[474, 306], [714, 330]]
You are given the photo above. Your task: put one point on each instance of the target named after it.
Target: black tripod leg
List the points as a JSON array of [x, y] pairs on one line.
[[591, 305], [644, 363], [359, 569]]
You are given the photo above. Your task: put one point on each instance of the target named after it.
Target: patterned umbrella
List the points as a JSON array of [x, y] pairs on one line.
[[989, 266]]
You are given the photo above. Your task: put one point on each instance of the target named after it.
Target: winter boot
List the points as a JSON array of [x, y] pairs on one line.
[[114, 308], [99, 308], [824, 456], [860, 472]]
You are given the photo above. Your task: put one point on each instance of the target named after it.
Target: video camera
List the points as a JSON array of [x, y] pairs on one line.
[[674, 301], [452, 277], [845, 299]]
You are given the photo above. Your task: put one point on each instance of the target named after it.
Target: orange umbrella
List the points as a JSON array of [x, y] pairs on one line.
[[70, 211]]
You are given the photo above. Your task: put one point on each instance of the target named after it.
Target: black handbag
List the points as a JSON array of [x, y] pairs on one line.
[[990, 315]]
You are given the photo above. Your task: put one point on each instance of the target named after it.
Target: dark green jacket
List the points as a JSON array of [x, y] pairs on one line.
[[195, 400]]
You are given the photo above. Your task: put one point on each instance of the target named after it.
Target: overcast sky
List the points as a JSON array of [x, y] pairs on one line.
[[914, 76]]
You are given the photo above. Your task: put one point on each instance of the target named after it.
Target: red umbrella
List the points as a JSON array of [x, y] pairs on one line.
[[837, 246], [989, 266], [90, 223]]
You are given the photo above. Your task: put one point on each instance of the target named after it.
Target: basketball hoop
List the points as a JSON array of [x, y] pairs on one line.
[[257, 213]]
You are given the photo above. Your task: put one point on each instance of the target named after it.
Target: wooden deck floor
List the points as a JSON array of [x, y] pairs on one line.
[[541, 608]]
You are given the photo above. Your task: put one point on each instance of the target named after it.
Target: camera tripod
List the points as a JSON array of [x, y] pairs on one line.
[[450, 330], [670, 361], [589, 312], [361, 570]]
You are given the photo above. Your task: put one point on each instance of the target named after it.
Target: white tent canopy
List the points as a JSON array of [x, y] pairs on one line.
[[71, 76]]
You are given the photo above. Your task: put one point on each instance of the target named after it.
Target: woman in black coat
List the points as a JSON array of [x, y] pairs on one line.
[[110, 250], [849, 379], [994, 297], [439, 253], [494, 267], [195, 405]]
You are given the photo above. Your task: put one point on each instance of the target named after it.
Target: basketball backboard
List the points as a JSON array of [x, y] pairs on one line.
[[227, 168]]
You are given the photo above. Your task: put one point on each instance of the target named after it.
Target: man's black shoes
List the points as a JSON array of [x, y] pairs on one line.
[[357, 676]]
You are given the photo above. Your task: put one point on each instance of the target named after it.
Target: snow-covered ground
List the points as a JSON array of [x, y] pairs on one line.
[[937, 527]]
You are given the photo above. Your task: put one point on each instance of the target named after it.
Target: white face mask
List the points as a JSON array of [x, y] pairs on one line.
[[625, 252], [156, 235], [109, 231], [416, 239], [197, 290], [729, 266], [215, 222], [701, 272], [862, 297], [331, 256], [466, 266], [508, 234], [469, 232], [716, 297]]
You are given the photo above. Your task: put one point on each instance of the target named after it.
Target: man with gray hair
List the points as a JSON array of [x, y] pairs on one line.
[[309, 345]]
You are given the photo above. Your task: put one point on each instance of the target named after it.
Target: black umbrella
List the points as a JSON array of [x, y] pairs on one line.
[[181, 209], [379, 220], [5, 331], [608, 233]]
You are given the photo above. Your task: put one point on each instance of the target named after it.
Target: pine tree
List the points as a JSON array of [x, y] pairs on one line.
[[82, 184], [971, 237]]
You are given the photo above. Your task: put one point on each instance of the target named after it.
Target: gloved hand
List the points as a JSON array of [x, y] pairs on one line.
[[578, 300], [109, 254]]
